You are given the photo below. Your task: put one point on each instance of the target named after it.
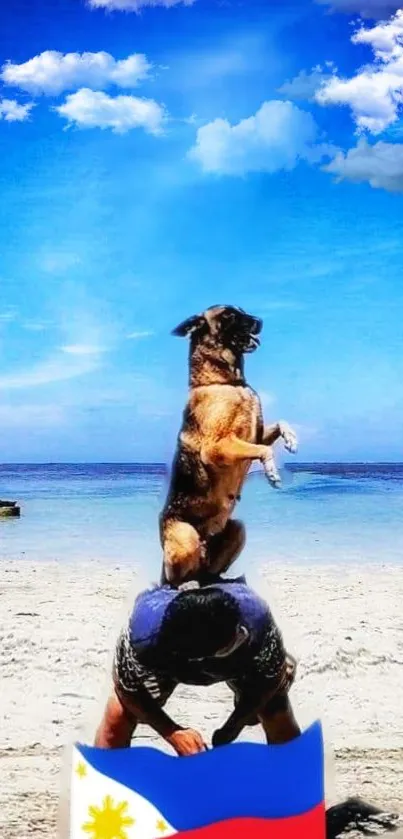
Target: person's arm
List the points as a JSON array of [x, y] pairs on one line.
[[140, 703], [247, 706], [269, 672], [147, 710]]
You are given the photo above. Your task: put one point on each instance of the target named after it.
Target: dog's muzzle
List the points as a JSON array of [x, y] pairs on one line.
[[252, 341]]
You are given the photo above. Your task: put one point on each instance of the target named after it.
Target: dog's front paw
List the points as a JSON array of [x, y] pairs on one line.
[[289, 437], [270, 470]]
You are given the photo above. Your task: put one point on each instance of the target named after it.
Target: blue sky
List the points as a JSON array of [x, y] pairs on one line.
[[160, 157]]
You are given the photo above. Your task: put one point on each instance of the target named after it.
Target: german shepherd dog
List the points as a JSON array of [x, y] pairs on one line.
[[222, 433]]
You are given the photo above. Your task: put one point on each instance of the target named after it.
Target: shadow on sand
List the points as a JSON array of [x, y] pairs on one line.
[[355, 818]]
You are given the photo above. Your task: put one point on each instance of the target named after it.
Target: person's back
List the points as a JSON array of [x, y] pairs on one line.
[[199, 636], [185, 650]]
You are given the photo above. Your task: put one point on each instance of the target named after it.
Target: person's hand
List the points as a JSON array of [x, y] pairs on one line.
[[226, 734], [186, 741]]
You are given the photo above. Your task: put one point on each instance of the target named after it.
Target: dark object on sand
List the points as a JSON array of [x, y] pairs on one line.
[[355, 817], [9, 508]]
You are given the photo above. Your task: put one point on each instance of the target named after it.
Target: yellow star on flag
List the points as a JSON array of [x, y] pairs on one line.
[[161, 826], [81, 769], [108, 821]]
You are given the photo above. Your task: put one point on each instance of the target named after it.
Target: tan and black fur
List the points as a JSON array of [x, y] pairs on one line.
[[222, 433]]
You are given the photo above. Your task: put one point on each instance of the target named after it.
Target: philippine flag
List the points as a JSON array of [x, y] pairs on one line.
[[239, 790]]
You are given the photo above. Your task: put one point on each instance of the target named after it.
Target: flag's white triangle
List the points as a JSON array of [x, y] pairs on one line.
[[101, 808]]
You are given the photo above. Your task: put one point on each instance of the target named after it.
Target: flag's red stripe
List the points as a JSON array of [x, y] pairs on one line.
[[310, 825]]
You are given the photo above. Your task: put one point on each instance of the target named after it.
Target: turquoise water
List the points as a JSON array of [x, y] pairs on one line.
[[324, 513]]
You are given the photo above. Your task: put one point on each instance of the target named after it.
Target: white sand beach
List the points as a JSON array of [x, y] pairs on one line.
[[58, 624]]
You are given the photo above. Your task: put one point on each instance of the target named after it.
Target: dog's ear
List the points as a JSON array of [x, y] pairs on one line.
[[189, 326]]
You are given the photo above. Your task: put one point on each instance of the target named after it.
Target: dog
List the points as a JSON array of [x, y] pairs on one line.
[[222, 433]]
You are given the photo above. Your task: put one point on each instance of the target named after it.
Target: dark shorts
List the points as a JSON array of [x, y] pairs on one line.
[[129, 673]]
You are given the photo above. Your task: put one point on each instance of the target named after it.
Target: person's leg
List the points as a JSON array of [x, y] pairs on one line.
[[278, 721], [117, 726]]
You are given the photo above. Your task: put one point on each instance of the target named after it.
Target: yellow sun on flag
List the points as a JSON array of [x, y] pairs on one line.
[[81, 769], [108, 821]]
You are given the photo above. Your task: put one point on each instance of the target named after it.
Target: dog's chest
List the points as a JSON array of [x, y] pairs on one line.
[[247, 417], [213, 413], [245, 422], [222, 410]]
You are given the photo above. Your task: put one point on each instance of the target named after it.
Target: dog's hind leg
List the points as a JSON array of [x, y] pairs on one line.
[[225, 547], [183, 552]]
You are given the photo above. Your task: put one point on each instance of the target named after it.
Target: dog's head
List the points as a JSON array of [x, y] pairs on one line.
[[225, 326]]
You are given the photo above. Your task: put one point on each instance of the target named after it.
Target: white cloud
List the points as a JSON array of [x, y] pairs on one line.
[[56, 369], [135, 5], [380, 165], [52, 72], [135, 336], [94, 109], [275, 138], [82, 349], [12, 111], [85, 340], [376, 9], [375, 93], [305, 85]]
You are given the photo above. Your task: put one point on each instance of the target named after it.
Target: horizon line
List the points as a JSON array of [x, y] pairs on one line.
[[161, 464]]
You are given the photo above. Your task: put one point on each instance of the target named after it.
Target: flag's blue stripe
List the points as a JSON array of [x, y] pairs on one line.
[[235, 781]]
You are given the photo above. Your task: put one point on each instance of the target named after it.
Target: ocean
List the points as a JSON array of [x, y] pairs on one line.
[[324, 514]]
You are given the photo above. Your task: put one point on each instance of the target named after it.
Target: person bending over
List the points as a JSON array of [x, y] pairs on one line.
[[222, 632]]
